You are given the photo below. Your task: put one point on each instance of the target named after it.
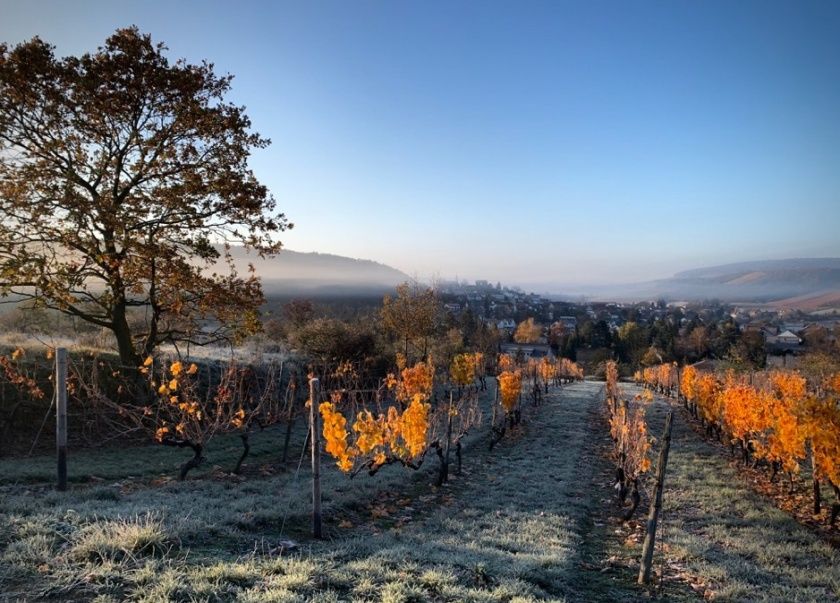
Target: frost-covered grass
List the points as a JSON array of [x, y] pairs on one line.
[[523, 522]]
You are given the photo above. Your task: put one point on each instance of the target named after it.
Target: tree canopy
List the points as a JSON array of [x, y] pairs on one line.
[[412, 314], [528, 332], [124, 180]]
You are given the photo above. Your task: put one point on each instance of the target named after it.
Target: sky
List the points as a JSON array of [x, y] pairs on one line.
[[543, 144]]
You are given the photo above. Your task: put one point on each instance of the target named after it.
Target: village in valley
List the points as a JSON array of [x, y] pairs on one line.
[[753, 334]]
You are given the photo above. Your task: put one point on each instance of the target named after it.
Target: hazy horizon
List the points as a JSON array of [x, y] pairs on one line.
[[538, 144], [546, 286], [304, 274]]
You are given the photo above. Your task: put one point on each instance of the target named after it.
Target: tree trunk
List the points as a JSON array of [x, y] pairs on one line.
[[191, 464], [494, 432], [246, 448], [443, 469], [194, 462], [497, 434], [817, 497], [635, 499], [620, 485], [119, 325], [816, 484]]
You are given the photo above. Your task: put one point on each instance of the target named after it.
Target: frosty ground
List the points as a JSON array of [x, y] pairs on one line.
[[533, 519]]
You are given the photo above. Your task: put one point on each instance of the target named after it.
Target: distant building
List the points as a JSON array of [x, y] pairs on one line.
[[569, 322], [506, 324], [788, 338], [785, 342], [528, 350]]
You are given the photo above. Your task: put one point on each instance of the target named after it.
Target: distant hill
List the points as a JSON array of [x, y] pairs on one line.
[[295, 273], [761, 281], [796, 268], [810, 302]]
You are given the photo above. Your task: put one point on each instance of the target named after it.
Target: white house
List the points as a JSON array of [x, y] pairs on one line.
[[788, 338]]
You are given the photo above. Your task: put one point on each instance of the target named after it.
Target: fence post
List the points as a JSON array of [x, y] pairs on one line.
[[315, 437], [656, 504], [61, 415]]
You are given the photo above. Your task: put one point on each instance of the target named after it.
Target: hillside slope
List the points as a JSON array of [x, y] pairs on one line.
[[313, 274], [761, 281]]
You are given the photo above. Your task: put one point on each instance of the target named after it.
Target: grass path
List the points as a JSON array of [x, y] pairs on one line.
[[736, 544], [514, 526]]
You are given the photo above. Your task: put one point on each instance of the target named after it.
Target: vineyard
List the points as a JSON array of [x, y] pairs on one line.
[[777, 420], [438, 482]]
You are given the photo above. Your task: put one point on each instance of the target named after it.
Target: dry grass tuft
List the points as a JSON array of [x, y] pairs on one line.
[[121, 539]]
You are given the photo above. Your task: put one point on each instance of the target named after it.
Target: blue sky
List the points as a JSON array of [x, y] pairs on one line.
[[538, 143]]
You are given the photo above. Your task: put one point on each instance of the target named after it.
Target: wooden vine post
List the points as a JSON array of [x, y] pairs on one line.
[[493, 409], [448, 438], [61, 415], [656, 504], [315, 438]]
